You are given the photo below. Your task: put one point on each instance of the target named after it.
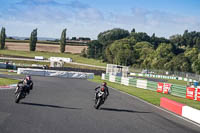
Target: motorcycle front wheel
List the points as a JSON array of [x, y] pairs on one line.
[[18, 97], [97, 103]]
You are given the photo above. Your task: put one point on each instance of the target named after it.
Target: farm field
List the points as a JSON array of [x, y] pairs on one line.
[[44, 47]]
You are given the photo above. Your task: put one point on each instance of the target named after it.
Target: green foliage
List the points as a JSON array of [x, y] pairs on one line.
[[63, 41], [178, 63], [140, 36], [84, 53], [196, 65], [188, 39], [95, 49], [138, 49], [109, 36], [191, 54], [163, 54], [142, 52], [2, 38], [33, 40], [120, 52]]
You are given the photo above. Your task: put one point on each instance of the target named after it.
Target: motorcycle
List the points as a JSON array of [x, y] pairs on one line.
[[20, 93], [99, 100]]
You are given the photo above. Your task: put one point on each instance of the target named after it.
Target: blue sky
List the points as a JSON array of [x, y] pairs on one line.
[[87, 18]]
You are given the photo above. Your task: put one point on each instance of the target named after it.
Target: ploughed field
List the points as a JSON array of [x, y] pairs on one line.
[[44, 47]]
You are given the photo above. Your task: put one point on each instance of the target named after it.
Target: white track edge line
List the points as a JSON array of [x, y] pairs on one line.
[[190, 121]]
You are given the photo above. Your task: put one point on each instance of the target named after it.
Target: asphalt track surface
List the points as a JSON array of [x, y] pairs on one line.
[[59, 105]]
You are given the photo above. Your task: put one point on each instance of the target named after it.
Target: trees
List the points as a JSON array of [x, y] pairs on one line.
[[120, 52], [63, 41], [163, 54], [140, 36], [95, 49], [178, 63], [142, 52], [33, 40], [2, 38], [84, 53], [196, 65], [191, 54], [109, 36]]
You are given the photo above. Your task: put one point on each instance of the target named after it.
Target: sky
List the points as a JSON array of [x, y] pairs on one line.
[[87, 18]]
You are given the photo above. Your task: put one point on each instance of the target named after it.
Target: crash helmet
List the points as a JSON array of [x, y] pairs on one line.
[[28, 77], [104, 84]]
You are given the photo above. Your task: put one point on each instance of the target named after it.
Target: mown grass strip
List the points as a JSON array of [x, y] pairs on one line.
[[172, 81], [75, 57], [148, 95], [178, 82], [7, 81], [47, 63]]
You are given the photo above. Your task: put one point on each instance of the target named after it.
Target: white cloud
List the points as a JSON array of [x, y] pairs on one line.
[[51, 17], [162, 23]]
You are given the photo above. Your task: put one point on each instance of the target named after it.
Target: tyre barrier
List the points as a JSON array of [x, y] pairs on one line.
[[54, 73]]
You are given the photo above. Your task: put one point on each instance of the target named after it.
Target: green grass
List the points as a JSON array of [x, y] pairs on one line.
[[75, 57], [46, 63], [26, 62], [5, 71], [148, 95], [7, 81], [82, 67], [178, 82], [172, 81]]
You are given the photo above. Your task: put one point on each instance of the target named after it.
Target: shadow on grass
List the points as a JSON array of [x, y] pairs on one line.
[[48, 105], [122, 110]]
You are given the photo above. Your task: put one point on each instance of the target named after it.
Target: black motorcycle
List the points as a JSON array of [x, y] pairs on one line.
[[20, 92], [99, 100]]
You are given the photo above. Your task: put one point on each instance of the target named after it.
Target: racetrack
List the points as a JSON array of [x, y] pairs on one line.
[[66, 105]]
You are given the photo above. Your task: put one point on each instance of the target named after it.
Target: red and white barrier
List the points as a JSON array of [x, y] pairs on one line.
[[180, 109], [7, 87], [171, 105], [191, 113]]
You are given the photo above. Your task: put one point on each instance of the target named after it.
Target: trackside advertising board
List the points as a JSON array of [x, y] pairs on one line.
[[160, 87], [198, 94], [166, 88], [190, 93]]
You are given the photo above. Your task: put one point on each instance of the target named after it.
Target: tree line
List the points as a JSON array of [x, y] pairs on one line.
[[139, 50], [33, 40]]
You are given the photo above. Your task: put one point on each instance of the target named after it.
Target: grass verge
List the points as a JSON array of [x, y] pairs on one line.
[[75, 57], [172, 81], [7, 81], [46, 63], [178, 82], [147, 95]]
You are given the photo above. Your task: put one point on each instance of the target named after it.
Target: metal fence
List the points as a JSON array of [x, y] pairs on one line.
[[168, 73], [176, 90]]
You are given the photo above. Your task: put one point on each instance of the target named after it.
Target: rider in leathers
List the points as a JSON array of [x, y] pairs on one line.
[[27, 84], [105, 90]]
